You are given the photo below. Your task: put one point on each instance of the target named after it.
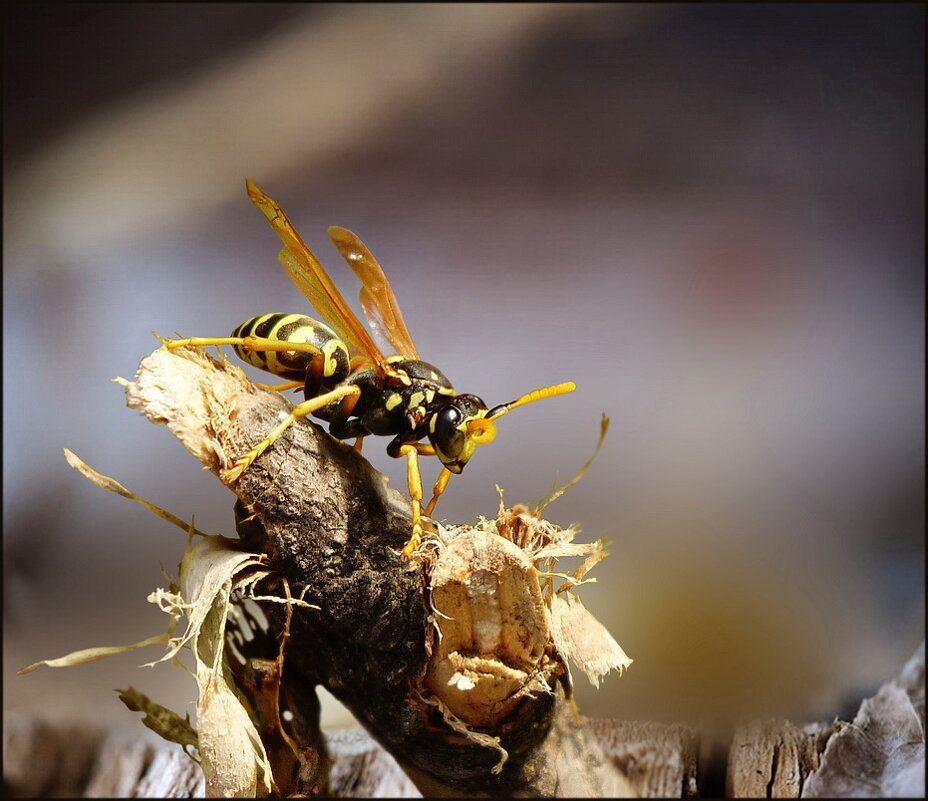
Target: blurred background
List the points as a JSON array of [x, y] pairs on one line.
[[710, 217]]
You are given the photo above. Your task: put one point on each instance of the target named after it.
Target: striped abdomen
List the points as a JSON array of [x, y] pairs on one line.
[[291, 364]]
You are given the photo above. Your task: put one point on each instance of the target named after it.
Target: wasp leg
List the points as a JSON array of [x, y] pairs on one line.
[[422, 449], [396, 445], [349, 393], [440, 483], [282, 387], [254, 343], [414, 481], [358, 444], [249, 343]]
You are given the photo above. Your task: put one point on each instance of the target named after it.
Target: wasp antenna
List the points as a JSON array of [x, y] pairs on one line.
[[531, 397], [482, 430]]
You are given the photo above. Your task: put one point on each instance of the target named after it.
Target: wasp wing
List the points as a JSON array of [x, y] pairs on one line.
[[357, 346], [312, 280], [377, 298]]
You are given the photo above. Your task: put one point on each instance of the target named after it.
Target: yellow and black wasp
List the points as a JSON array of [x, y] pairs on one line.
[[348, 381]]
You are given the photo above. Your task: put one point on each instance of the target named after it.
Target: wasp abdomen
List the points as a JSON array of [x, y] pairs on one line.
[[292, 364]]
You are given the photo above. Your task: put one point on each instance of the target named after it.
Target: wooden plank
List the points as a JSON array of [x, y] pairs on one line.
[[659, 760], [771, 759]]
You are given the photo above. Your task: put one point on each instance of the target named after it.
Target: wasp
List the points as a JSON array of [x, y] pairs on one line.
[[347, 380]]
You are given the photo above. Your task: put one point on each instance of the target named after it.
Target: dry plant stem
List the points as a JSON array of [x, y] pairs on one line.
[[332, 526]]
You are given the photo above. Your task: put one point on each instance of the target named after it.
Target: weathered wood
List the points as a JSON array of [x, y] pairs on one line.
[[44, 759], [659, 760], [120, 766], [874, 756], [170, 774], [130, 764], [771, 759], [362, 769], [880, 753]]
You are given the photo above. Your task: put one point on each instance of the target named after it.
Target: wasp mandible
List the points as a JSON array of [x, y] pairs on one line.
[[347, 380]]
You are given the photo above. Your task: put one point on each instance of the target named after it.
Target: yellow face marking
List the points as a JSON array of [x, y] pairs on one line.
[[446, 391], [429, 395], [416, 398], [394, 399]]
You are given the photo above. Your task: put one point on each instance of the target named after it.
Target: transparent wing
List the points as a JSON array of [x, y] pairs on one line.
[[377, 298], [357, 345], [312, 280]]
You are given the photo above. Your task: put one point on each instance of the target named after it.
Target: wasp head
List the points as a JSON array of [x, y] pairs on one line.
[[457, 427]]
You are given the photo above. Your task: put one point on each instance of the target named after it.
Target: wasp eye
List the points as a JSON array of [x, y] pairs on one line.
[[446, 436], [448, 420]]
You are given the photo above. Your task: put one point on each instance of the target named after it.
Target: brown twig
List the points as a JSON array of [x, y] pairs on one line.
[[332, 527]]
